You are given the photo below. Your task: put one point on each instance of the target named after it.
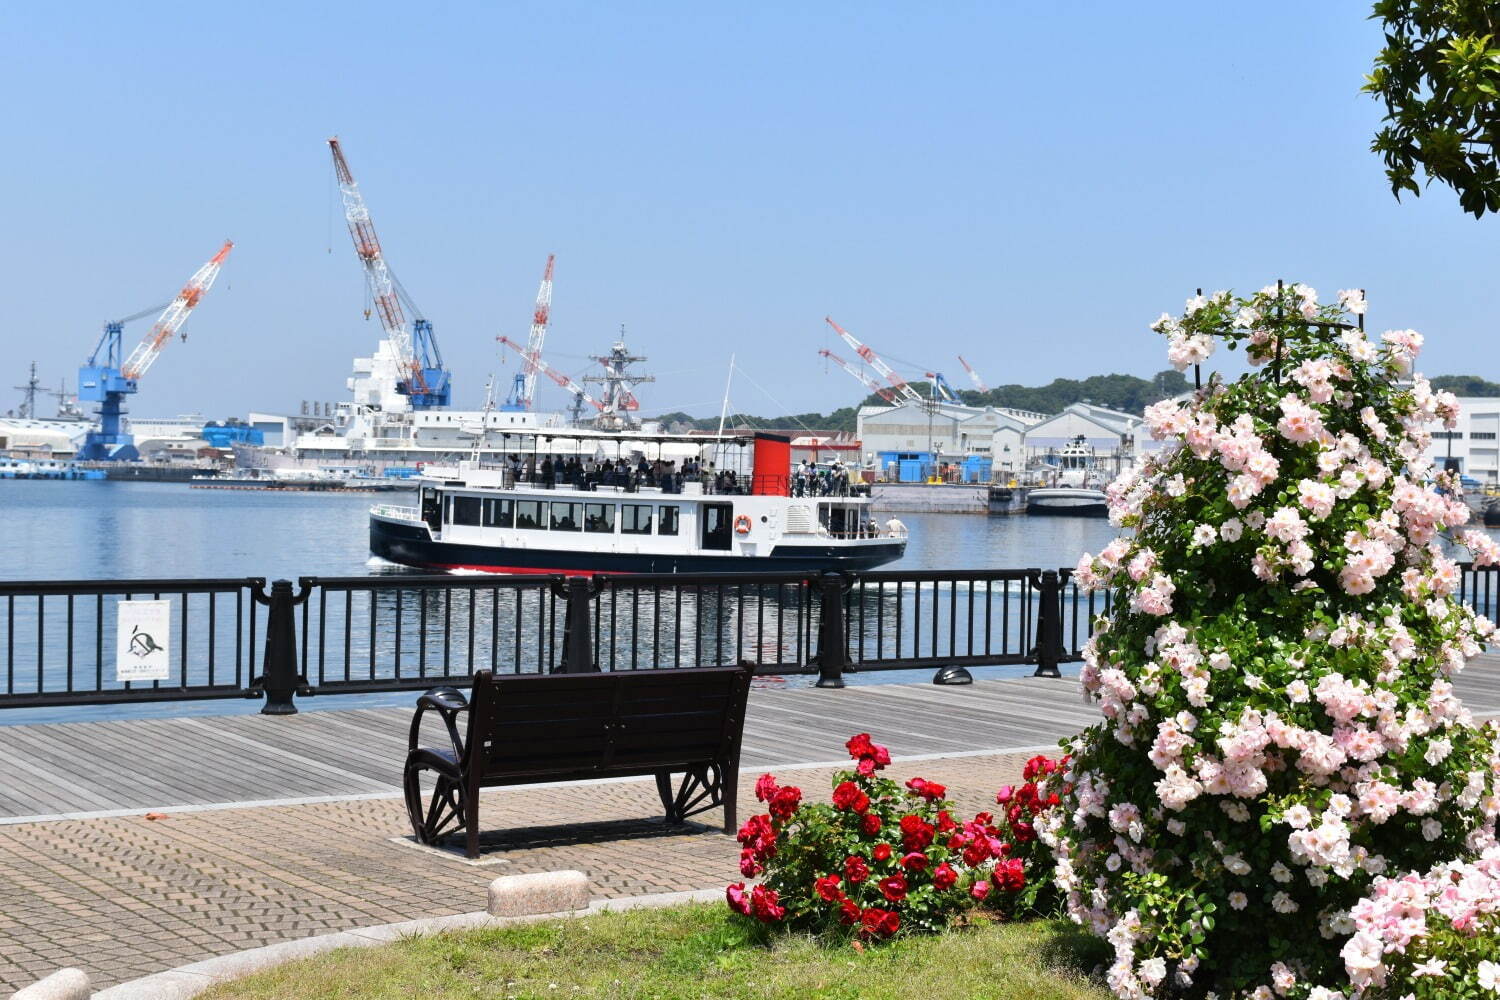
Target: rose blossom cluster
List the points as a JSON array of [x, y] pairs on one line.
[[882, 857], [1275, 679], [1440, 925]]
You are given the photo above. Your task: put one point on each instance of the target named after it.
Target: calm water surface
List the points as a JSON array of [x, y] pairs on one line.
[[86, 530]]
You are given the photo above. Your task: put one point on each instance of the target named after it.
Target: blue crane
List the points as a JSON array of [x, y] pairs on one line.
[[106, 379]]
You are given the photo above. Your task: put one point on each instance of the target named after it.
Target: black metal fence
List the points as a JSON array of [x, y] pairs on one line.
[[384, 633], [60, 640]]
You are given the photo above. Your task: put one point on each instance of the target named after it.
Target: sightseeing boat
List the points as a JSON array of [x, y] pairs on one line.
[[1074, 485], [499, 520]]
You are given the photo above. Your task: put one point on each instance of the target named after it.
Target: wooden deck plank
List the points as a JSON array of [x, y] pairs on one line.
[[153, 763]]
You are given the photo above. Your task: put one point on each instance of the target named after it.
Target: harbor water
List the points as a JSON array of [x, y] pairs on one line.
[[115, 530]]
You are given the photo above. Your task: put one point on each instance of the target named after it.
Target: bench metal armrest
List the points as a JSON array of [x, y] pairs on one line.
[[447, 702]]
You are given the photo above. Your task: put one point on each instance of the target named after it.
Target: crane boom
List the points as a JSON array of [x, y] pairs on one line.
[[874, 361], [973, 375], [172, 318], [552, 373], [524, 390], [426, 380], [865, 380]]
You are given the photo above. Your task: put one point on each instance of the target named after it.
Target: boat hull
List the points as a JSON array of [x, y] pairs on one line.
[[412, 545], [1067, 502]]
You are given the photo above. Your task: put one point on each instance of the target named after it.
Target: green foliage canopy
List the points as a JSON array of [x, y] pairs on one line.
[[1439, 76]]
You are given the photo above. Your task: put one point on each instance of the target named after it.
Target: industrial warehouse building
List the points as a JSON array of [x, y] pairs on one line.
[[1472, 447], [907, 442]]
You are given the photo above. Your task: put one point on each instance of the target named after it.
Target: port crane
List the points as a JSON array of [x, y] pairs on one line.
[[872, 359], [578, 391], [105, 380], [941, 388], [523, 389], [865, 380], [426, 383], [973, 375]]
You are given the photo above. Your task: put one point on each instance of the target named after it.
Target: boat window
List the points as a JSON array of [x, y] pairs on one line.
[[667, 523], [497, 513], [431, 509], [635, 519], [529, 514], [447, 509], [565, 516], [599, 517], [715, 527], [466, 510]]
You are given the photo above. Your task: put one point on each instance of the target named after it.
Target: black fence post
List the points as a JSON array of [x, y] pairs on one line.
[[578, 640], [279, 680], [1049, 630], [833, 651]]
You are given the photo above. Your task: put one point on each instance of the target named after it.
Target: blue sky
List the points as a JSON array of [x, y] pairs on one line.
[[1025, 184]]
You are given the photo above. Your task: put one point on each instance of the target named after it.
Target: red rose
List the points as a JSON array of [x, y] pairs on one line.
[[1010, 875], [827, 888], [882, 923], [866, 767], [849, 796], [893, 887], [848, 912], [862, 749], [1024, 832], [916, 861], [1038, 765], [916, 833], [855, 869], [765, 787], [749, 867], [860, 746], [882, 852], [734, 895], [944, 877], [976, 851], [755, 828], [945, 822], [980, 889], [869, 824], [764, 905], [785, 802], [929, 790]]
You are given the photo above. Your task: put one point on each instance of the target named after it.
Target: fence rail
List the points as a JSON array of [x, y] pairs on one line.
[[355, 634]]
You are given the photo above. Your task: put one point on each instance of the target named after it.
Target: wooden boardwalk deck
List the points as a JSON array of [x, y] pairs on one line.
[[90, 768]]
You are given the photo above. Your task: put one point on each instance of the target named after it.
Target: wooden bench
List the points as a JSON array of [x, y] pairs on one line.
[[524, 729]]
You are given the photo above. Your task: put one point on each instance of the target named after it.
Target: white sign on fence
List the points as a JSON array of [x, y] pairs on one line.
[[143, 640]]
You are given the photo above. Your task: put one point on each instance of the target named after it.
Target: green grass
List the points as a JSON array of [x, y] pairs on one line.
[[692, 952]]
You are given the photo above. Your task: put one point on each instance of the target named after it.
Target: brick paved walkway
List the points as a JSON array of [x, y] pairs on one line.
[[124, 897]]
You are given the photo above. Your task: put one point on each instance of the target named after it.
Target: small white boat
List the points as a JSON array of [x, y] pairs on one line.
[[1073, 485]]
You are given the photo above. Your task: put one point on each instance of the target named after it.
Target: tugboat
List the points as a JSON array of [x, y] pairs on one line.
[[1076, 485], [631, 517]]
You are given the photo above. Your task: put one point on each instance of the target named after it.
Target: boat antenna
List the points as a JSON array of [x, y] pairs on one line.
[[724, 412], [484, 420]]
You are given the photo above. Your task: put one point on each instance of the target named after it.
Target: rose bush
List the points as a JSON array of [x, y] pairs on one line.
[[884, 859], [1276, 674]]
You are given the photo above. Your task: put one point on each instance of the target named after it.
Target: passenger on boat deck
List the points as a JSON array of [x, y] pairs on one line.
[[895, 527], [547, 472]]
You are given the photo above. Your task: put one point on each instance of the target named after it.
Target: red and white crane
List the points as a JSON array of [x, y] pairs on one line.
[[874, 361], [973, 375], [552, 373], [426, 381], [865, 380], [524, 389], [176, 314]]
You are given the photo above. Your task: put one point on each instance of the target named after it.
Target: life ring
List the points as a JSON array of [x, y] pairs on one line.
[[742, 525]]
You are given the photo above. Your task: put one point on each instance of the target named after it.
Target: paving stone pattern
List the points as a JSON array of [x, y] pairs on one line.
[[125, 897]]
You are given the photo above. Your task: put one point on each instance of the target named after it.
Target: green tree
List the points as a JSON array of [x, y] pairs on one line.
[[1466, 385], [1439, 76]]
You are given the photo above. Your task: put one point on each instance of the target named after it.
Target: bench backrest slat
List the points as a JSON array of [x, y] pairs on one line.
[[534, 726]]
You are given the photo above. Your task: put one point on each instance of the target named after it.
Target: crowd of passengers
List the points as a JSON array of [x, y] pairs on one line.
[[810, 481], [587, 474]]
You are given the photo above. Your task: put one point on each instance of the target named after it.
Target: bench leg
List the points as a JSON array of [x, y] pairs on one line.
[[702, 789], [442, 815]]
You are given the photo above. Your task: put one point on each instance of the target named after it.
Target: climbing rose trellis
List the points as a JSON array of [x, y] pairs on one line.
[[1281, 737]]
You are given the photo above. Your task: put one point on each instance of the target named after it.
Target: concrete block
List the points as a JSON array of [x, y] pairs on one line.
[[171, 985], [64, 984], [542, 892]]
